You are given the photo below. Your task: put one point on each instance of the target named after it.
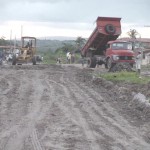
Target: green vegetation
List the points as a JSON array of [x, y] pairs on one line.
[[132, 33], [131, 77], [50, 50], [50, 54], [50, 57], [3, 42]]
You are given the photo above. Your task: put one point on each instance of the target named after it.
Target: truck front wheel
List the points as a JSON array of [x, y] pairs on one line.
[[109, 63], [91, 63]]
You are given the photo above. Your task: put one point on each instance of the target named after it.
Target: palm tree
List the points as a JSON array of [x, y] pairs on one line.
[[132, 33], [2, 41]]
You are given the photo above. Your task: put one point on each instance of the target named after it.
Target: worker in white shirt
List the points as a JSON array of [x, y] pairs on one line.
[[139, 62]]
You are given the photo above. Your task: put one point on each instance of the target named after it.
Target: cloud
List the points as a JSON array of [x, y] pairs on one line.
[[78, 15], [74, 10]]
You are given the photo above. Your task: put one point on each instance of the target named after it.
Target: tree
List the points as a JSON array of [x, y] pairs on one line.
[[132, 33], [3, 41], [68, 47], [80, 42]]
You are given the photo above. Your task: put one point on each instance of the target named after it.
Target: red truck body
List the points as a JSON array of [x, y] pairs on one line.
[[100, 47]]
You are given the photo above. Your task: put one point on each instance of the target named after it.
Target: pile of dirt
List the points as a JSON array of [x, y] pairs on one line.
[[131, 100]]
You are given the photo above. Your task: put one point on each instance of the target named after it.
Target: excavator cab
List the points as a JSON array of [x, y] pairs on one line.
[[26, 53]]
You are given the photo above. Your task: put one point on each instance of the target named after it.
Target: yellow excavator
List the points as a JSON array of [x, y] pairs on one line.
[[26, 53]]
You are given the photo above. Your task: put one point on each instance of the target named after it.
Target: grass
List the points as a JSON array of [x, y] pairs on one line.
[[131, 77], [51, 57]]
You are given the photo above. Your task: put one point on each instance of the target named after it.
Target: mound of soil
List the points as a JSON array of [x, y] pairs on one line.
[[133, 100]]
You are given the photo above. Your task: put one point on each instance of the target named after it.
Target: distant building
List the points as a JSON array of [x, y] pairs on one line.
[[139, 42]]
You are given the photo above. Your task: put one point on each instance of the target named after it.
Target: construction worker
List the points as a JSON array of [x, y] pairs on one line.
[[139, 62], [27, 45], [69, 57], [58, 60]]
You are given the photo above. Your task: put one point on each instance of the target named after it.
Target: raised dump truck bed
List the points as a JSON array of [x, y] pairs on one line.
[[103, 48], [107, 29]]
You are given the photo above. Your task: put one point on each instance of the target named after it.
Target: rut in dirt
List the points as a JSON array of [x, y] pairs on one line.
[[49, 108]]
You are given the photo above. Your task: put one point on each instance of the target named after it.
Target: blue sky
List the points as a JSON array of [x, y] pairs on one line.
[[70, 17]]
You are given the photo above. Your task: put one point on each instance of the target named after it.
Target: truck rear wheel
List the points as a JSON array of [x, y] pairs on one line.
[[91, 63]]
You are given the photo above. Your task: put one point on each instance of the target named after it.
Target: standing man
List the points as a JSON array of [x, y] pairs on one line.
[[139, 62], [69, 57]]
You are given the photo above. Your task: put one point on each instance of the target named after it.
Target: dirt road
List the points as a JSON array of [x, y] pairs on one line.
[[57, 108]]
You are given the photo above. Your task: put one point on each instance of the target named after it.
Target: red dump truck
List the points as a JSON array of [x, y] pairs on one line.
[[103, 48]]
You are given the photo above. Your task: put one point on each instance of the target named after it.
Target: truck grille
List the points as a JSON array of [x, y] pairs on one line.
[[126, 57]]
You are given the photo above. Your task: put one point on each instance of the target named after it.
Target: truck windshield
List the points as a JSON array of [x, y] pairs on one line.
[[121, 45]]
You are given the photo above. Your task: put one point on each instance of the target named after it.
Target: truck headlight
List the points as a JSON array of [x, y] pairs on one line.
[[115, 57]]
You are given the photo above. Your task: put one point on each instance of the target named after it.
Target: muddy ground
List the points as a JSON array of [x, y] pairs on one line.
[[66, 108]]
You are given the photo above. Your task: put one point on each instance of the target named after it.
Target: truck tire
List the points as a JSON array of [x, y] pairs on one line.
[[14, 60], [34, 60], [91, 63], [110, 29], [109, 63]]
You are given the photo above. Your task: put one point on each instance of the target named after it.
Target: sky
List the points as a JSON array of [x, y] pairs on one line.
[[70, 18]]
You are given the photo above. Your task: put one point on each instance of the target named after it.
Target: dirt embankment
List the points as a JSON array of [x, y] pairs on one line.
[[65, 108]]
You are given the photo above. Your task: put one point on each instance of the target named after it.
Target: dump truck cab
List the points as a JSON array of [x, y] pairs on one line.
[[119, 51]]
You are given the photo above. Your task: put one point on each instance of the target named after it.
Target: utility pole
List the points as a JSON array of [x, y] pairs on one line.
[[15, 42], [10, 38], [21, 30], [21, 34]]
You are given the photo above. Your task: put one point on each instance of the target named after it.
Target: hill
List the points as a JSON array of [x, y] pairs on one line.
[[52, 45]]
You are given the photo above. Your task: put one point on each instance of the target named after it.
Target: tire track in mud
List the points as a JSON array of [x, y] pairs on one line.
[[7, 105], [27, 116], [70, 96], [89, 114], [108, 124], [105, 124], [34, 104], [34, 114], [77, 117], [55, 100], [69, 88], [35, 141], [133, 135], [124, 135], [60, 113]]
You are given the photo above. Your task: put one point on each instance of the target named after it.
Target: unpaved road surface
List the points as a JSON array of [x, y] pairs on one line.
[[63, 108]]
